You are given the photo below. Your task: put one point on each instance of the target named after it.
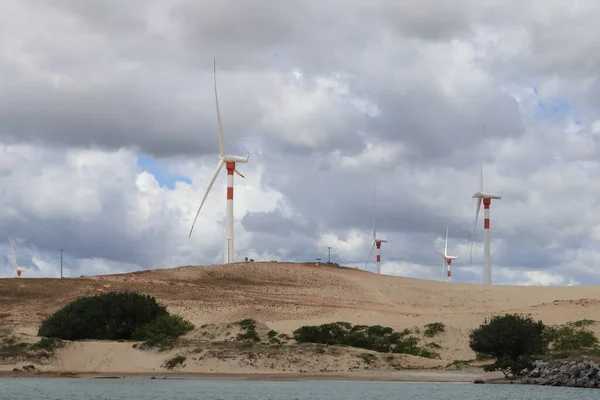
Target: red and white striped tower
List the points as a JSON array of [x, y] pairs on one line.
[[376, 242], [447, 259], [229, 255], [486, 198], [487, 258], [229, 162], [378, 245]]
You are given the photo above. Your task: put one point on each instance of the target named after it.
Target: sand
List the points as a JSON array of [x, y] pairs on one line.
[[283, 297]]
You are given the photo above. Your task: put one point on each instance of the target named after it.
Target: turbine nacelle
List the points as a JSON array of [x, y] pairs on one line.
[[235, 159], [484, 195], [446, 256], [380, 240]]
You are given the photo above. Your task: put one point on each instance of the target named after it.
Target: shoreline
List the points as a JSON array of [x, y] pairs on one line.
[[430, 376]]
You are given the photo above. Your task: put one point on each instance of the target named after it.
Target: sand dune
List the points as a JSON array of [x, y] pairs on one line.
[[285, 296]]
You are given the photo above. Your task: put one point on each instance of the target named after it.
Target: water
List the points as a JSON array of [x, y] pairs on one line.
[[146, 389]]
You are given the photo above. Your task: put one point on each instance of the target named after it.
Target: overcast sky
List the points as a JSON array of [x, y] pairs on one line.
[[109, 138]]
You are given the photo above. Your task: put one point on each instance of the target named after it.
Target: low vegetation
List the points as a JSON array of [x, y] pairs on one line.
[[115, 316], [514, 341], [376, 338], [433, 329], [47, 344], [174, 361], [569, 337], [11, 348], [248, 327]]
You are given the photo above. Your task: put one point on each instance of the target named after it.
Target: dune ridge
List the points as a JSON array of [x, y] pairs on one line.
[[283, 297]]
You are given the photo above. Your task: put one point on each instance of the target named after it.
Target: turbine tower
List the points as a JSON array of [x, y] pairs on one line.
[[376, 241], [447, 259], [487, 200], [229, 161], [17, 270]]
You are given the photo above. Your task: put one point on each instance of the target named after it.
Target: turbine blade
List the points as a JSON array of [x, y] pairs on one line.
[[221, 140], [474, 226], [206, 194], [446, 246], [238, 172], [374, 197], [481, 175], [444, 266], [370, 252], [14, 255]]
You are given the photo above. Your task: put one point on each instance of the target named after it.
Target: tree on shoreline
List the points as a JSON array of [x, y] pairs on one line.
[[512, 339]]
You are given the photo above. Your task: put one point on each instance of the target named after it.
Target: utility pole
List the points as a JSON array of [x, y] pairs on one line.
[[61, 258], [329, 255]]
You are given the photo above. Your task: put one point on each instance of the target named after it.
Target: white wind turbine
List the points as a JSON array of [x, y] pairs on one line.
[[376, 241], [17, 270], [229, 161], [447, 258], [487, 199]]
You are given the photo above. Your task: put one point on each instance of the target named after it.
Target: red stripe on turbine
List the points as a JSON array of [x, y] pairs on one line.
[[449, 274], [378, 245], [18, 273], [486, 223], [229, 193], [486, 203], [378, 258], [230, 165]]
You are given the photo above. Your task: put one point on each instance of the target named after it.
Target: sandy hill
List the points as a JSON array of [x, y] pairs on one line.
[[285, 296]]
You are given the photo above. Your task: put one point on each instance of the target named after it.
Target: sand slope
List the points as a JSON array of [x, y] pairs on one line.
[[285, 296]]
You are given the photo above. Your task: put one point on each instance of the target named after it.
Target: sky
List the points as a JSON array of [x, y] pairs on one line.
[[108, 134]]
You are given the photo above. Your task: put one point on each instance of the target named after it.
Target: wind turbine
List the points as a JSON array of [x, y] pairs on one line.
[[487, 199], [17, 270], [447, 259], [376, 241], [229, 161]]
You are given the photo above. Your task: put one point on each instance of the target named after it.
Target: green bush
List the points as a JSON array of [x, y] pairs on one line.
[[511, 335], [512, 339], [248, 327], [434, 328], [114, 316], [108, 316], [47, 344], [583, 322], [174, 361], [165, 326], [376, 338], [571, 336]]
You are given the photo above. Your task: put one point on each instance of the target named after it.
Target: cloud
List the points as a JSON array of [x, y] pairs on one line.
[[108, 133]]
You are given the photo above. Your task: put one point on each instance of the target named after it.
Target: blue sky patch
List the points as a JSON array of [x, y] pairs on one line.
[[164, 178], [552, 107]]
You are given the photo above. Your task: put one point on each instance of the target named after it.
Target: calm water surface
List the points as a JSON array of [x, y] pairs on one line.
[[146, 389]]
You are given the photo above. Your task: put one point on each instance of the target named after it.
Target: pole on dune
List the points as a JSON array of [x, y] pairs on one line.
[[61, 265], [329, 255]]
